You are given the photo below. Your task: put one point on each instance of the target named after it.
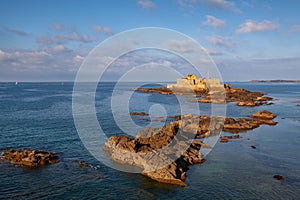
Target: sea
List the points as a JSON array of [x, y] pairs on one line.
[[39, 116]]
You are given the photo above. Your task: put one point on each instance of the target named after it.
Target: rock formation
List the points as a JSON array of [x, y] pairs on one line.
[[264, 115], [165, 154], [279, 177], [29, 157], [242, 96], [211, 91], [243, 124], [139, 113]]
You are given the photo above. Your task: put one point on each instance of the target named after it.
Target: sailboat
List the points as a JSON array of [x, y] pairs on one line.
[[16, 83]]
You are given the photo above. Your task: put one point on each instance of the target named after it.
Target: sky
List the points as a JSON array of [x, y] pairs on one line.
[[49, 40]]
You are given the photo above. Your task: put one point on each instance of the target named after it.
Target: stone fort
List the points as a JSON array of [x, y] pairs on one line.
[[191, 82]]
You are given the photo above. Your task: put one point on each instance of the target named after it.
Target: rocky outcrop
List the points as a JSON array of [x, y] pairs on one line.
[[29, 157], [264, 115], [165, 154], [242, 96], [219, 96], [139, 113], [279, 177], [226, 138], [82, 164], [244, 124], [165, 91]]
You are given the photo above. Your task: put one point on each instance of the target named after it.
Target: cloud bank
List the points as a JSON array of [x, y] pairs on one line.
[[252, 26], [214, 22]]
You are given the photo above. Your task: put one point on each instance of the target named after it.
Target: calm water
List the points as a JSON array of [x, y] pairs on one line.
[[39, 116]]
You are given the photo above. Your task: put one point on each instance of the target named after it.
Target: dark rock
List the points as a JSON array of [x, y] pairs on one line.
[[236, 136], [139, 113], [223, 140], [29, 157], [82, 164], [279, 177], [165, 91]]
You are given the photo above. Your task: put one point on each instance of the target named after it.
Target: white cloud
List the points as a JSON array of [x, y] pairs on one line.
[[218, 4], [213, 52], [147, 4], [37, 63], [1, 54], [78, 59], [100, 29], [184, 46], [295, 28], [221, 41], [251, 26], [213, 21], [58, 47], [57, 26]]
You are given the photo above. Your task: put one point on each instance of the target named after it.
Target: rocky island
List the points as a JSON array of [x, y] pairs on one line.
[[29, 157], [178, 143], [210, 90]]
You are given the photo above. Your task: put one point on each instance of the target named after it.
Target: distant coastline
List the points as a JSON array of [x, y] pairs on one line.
[[276, 81]]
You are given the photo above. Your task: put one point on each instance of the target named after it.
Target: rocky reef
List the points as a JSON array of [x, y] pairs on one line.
[[165, 91], [244, 124], [242, 96], [29, 157], [139, 113], [264, 115], [166, 154], [219, 96]]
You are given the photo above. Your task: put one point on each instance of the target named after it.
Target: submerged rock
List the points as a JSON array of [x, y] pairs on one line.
[[30, 157], [223, 140], [82, 164], [279, 177]]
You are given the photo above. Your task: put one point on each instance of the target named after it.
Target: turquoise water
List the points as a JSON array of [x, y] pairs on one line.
[[39, 116]]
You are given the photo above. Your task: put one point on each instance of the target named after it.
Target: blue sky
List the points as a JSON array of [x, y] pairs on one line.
[[48, 40]]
